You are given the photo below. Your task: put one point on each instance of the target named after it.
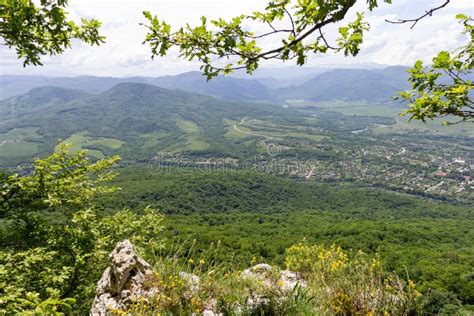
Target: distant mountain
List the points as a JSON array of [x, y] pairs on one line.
[[16, 85], [39, 99], [374, 85], [370, 85], [222, 87]]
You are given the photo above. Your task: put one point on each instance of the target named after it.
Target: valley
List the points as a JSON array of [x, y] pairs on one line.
[[329, 141], [236, 158], [261, 175]]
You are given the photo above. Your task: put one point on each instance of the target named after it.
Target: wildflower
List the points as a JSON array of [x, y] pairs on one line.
[[190, 261], [202, 261]]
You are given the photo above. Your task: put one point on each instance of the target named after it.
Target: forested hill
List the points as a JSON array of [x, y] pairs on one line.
[[371, 85], [350, 85], [222, 87], [138, 118]]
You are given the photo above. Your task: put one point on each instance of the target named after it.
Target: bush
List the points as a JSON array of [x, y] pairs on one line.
[[54, 244]]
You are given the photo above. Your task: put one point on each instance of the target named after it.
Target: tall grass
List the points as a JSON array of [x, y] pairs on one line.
[[188, 281]]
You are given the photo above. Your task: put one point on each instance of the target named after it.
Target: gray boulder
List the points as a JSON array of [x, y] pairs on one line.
[[123, 280]]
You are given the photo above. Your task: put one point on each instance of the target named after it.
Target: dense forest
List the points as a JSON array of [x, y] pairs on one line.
[[74, 210], [260, 215]]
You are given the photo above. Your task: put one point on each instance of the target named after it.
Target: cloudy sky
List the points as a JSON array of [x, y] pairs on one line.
[[124, 55]]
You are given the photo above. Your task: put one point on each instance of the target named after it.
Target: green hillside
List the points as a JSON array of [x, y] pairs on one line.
[[145, 118]]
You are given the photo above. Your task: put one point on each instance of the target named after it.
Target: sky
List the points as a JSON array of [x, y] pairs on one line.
[[123, 54]]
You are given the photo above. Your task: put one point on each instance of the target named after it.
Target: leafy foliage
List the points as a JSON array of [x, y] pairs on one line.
[[54, 245], [38, 29], [444, 88], [350, 279], [238, 48]]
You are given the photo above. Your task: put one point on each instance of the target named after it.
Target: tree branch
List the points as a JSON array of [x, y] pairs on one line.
[[325, 41], [416, 20], [310, 31]]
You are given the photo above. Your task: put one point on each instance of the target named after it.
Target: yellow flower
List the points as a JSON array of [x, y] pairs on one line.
[[190, 261], [202, 261]]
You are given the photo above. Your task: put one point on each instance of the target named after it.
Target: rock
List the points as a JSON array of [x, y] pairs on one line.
[[289, 279], [269, 276], [259, 272], [208, 312], [192, 284], [124, 281], [121, 281]]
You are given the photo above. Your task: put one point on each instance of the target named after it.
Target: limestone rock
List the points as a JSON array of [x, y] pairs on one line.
[[121, 281], [269, 276], [289, 279], [192, 281], [124, 281]]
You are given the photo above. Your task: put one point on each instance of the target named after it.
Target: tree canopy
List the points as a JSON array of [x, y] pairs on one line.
[[49, 221], [444, 87], [35, 29], [223, 46]]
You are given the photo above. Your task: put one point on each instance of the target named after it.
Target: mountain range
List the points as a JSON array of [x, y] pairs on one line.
[[370, 85]]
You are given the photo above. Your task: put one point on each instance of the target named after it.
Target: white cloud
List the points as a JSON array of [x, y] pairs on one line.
[[124, 55]]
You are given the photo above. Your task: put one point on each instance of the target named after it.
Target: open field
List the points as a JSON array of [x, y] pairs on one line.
[[82, 140], [11, 150], [19, 142], [403, 124], [193, 137], [248, 128]]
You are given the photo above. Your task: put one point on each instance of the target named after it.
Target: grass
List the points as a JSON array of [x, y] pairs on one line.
[[435, 126], [12, 150], [153, 139], [193, 141], [21, 134], [272, 134], [239, 132], [283, 134], [232, 133], [188, 126], [82, 140], [19, 142], [325, 281]]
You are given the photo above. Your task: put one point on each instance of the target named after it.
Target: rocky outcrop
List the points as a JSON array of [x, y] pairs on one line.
[[124, 281], [121, 281], [269, 276]]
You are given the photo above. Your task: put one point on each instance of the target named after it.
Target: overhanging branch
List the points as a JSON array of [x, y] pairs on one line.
[[416, 20]]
